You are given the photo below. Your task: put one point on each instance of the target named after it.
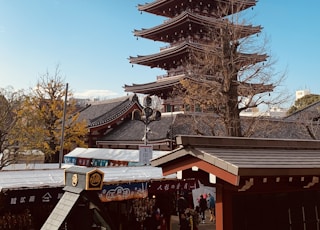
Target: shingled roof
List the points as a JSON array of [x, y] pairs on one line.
[[175, 124], [309, 112], [103, 112], [231, 158], [133, 130], [125, 132]]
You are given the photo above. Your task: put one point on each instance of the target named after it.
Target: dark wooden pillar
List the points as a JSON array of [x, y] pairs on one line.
[[219, 207], [224, 219]]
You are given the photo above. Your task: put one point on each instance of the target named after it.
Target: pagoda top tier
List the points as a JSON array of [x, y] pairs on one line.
[[218, 8]]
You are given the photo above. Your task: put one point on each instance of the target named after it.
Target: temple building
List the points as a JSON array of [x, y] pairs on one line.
[[266, 180], [192, 27], [104, 116]]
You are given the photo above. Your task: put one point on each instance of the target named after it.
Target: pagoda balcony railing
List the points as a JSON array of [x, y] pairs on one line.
[[159, 77], [171, 74], [194, 41]]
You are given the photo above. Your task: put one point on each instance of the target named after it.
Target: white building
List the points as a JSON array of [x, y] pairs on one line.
[[302, 93]]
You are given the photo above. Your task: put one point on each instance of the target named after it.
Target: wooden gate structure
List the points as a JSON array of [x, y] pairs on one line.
[[260, 183]]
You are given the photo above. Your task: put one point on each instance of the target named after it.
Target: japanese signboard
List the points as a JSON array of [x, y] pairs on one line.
[[124, 191], [171, 186], [34, 196]]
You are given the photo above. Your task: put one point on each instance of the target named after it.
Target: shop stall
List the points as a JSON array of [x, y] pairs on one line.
[[28, 196]]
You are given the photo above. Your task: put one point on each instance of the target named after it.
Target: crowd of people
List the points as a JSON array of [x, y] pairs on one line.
[[190, 216], [189, 219], [155, 220]]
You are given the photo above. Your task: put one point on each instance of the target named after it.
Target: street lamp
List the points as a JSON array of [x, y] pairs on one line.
[[147, 116]]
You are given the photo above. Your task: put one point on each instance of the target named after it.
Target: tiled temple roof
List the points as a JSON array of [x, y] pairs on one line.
[[159, 86], [167, 84], [115, 113], [174, 124], [188, 21], [183, 124], [179, 52], [133, 130], [169, 8], [309, 112], [106, 111]]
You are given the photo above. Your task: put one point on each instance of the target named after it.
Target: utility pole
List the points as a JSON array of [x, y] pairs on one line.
[[63, 124]]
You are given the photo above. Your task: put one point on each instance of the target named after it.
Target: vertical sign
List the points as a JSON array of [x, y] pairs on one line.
[[145, 154]]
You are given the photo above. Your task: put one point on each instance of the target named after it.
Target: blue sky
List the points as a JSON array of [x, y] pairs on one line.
[[91, 41]]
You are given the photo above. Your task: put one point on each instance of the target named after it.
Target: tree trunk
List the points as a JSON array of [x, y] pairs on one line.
[[232, 116]]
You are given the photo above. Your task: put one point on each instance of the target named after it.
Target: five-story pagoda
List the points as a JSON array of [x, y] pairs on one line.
[[191, 29]]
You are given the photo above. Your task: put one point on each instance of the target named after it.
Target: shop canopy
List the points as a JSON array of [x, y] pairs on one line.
[[27, 179], [46, 178], [110, 154]]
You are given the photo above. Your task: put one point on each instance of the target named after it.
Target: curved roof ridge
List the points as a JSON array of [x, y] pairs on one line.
[[159, 7], [115, 112], [110, 100], [184, 47], [186, 17]]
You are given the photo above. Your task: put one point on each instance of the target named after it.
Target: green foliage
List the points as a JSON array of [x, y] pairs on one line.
[[303, 102]]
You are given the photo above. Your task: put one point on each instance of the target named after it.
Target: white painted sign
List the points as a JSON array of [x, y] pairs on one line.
[[145, 154]]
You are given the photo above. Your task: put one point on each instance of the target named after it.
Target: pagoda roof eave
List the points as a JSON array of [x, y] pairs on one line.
[[153, 88], [183, 22], [180, 51], [164, 55], [162, 7]]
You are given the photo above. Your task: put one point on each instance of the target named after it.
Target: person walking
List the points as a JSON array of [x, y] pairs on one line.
[[182, 206], [203, 207], [212, 207]]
